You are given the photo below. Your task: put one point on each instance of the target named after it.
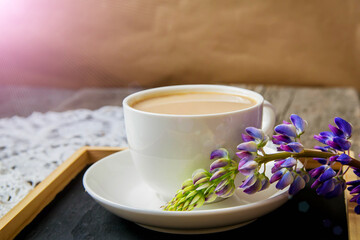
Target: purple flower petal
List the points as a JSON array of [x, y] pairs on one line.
[[248, 146], [354, 183], [344, 126], [277, 165], [253, 188], [344, 159], [326, 187], [305, 176], [277, 176], [199, 174], [356, 199], [247, 138], [328, 174], [355, 190], [222, 162], [241, 163], [248, 167], [265, 182], [286, 129], [218, 173], [224, 188], [327, 134], [248, 181], [333, 158], [289, 162], [321, 139], [297, 185], [227, 191], [321, 160], [316, 183], [285, 148], [279, 139], [299, 123], [343, 143], [323, 149], [336, 131], [219, 153], [338, 190], [316, 172], [245, 155], [357, 172], [285, 181], [255, 132], [296, 147]]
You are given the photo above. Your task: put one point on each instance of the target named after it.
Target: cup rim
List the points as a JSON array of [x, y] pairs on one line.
[[174, 88]]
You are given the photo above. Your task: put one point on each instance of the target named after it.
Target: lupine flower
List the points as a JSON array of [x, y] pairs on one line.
[[265, 182], [200, 176], [316, 172], [247, 138], [285, 176], [218, 173], [255, 183], [277, 175], [205, 186], [340, 186], [221, 162], [299, 124], [344, 159], [281, 139], [286, 129], [324, 149], [246, 156], [327, 174], [292, 147], [247, 167], [248, 146], [219, 153], [327, 183], [344, 126], [285, 180], [321, 160], [289, 133], [258, 135], [337, 138], [225, 188], [289, 162], [325, 187], [277, 165], [297, 185]]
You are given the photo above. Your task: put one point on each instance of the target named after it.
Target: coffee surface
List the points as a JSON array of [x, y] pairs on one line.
[[194, 103]]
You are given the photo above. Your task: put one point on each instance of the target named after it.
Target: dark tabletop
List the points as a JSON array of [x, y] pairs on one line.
[[75, 215]]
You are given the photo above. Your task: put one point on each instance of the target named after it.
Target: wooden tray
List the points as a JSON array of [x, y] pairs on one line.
[[27, 209]]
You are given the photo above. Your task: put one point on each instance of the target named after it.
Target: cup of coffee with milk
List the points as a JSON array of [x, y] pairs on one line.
[[172, 130]]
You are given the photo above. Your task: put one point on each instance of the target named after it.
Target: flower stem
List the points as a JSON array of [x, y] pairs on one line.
[[307, 153]]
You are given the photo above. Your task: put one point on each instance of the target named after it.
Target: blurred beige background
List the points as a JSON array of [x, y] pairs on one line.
[[76, 43]]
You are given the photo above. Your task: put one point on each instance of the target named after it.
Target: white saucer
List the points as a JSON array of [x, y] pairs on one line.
[[115, 184]]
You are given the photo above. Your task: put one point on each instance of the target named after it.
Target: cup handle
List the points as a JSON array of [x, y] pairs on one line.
[[269, 118]]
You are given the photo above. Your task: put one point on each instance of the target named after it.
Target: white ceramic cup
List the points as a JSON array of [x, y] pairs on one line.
[[166, 148]]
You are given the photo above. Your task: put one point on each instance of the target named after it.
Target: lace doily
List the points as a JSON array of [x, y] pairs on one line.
[[32, 147]]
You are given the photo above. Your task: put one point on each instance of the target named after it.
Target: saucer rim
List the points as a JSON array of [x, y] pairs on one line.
[[280, 195]]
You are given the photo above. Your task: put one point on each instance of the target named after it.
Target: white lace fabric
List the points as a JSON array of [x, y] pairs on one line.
[[32, 147]]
